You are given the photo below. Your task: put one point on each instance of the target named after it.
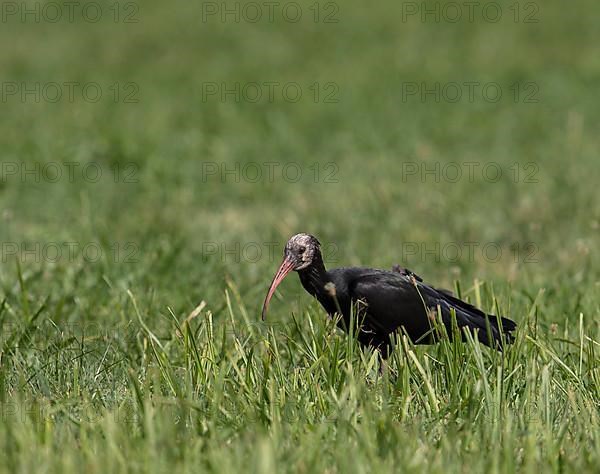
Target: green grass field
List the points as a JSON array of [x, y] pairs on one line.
[[155, 161]]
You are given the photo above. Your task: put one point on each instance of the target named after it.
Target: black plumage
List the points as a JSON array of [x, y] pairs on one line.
[[385, 301]]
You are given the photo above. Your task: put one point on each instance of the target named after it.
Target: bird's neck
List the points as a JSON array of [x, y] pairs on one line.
[[314, 277]]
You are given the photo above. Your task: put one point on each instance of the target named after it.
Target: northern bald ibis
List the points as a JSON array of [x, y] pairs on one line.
[[384, 301]]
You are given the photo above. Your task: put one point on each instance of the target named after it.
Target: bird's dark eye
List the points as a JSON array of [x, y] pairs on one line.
[[301, 249]]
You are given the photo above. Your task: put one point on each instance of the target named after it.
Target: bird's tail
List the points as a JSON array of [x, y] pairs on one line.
[[493, 331]]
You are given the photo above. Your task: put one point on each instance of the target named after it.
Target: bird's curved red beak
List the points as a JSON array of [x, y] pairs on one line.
[[286, 267]]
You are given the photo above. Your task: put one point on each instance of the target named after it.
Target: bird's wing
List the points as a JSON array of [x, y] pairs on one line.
[[406, 272], [394, 299], [448, 296], [488, 326], [409, 273]]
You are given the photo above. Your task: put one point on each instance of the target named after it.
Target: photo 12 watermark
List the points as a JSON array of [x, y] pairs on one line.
[[268, 92], [70, 92], [529, 414], [270, 12], [470, 12], [469, 171], [42, 411], [47, 332], [269, 172], [69, 12], [469, 252], [37, 412], [253, 252], [68, 172], [453, 92], [68, 252]]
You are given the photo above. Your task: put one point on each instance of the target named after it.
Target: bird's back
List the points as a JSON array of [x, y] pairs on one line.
[[390, 300]]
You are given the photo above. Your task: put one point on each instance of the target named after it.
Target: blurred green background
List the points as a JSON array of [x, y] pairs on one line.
[[153, 63], [357, 134]]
